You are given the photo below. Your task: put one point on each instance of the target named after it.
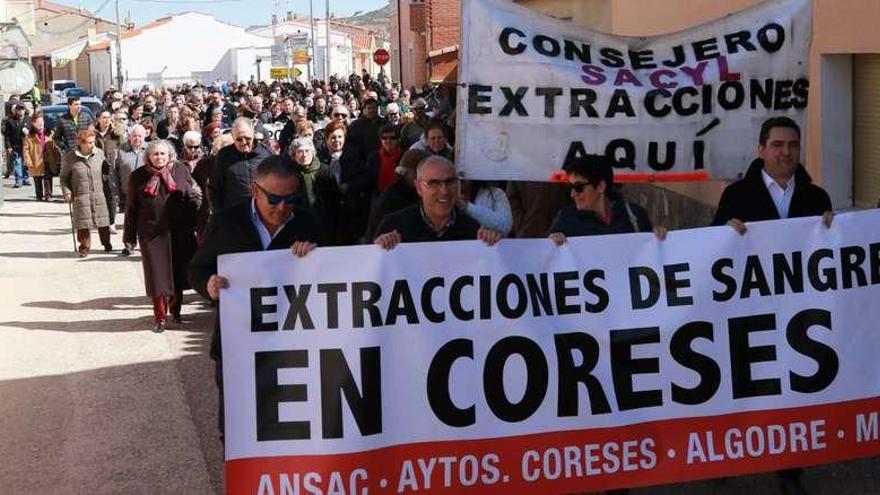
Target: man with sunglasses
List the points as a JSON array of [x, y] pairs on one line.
[[234, 168], [268, 221], [435, 217]]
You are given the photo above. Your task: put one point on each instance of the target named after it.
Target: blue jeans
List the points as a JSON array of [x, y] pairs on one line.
[[18, 169]]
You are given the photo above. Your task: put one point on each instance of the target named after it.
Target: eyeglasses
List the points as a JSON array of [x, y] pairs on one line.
[[436, 184], [244, 139], [344, 115], [274, 199], [579, 187], [193, 146]]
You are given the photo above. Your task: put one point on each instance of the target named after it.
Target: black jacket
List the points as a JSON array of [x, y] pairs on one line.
[[749, 200], [66, 129], [232, 231], [573, 222], [398, 196], [345, 215], [232, 175], [13, 133], [409, 223]]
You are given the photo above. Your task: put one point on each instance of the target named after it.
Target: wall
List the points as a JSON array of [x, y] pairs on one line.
[[444, 31]]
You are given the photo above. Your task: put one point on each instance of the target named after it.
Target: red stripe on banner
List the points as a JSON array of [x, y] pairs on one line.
[[584, 460], [560, 176], [666, 177]]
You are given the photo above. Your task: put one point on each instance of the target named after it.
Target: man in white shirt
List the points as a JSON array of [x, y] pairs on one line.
[[776, 185]]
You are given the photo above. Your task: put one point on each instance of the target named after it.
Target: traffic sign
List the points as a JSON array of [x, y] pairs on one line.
[[381, 56]]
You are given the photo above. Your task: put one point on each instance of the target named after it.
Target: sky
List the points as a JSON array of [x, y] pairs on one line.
[[241, 12]]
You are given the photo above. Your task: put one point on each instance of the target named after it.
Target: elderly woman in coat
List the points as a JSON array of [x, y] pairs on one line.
[[41, 157], [160, 215], [82, 186]]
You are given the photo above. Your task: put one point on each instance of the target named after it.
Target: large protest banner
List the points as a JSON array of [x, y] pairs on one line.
[[535, 91], [529, 368]]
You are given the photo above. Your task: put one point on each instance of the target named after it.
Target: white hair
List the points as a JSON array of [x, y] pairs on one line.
[[192, 137], [242, 123], [301, 143], [392, 106]]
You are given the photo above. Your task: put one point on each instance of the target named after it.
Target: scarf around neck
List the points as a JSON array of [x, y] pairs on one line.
[[162, 175]]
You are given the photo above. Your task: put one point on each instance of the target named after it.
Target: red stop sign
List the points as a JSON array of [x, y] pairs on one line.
[[381, 56]]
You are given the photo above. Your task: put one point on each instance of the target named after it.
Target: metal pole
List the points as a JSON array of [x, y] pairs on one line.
[[312, 35], [399, 47], [119, 78], [327, 50]]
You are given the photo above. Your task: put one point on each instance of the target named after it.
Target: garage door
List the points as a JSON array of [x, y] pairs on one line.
[[866, 130]]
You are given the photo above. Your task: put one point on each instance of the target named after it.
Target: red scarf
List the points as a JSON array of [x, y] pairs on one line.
[[387, 164], [164, 175]]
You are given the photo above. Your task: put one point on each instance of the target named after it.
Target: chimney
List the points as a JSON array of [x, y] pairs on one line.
[[274, 20]]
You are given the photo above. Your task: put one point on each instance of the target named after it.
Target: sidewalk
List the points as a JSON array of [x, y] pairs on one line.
[[92, 400]]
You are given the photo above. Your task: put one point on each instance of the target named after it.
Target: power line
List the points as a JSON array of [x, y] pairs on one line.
[[174, 2], [75, 28]]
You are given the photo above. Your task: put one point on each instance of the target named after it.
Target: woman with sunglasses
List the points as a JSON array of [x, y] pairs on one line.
[[598, 208], [160, 215]]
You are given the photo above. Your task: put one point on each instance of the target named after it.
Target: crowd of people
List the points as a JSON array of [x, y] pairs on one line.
[[200, 171]]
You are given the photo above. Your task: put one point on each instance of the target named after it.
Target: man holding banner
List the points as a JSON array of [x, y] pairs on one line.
[[266, 222], [435, 218], [776, 184]]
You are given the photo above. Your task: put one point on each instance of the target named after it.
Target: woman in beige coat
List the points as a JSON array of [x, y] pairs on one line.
[[82, 186], [41, 157]]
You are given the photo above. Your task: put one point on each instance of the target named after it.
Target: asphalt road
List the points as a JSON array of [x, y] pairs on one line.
[[93, 402]]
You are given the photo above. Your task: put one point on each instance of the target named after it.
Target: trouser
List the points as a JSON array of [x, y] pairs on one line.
[[84, 236], [39, 183], [163, 304], [111, 204], [18, 168], [47, 185]]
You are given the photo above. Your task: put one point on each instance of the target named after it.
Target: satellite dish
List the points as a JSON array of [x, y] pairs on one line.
[[16, 77]]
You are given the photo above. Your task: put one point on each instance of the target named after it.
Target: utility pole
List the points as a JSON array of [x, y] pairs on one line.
[[312, 34], [119, 78], [327, 50]]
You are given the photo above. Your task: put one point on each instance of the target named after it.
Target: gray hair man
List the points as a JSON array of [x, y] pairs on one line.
[[232, 172], [436, 216]]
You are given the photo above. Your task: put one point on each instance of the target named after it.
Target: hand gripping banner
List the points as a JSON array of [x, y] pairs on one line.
[[536, 91], [613, 361]]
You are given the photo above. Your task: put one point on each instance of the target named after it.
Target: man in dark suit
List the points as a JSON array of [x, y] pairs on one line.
[[776, 185], [269, 221]]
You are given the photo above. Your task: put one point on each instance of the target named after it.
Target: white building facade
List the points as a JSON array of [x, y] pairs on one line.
[[184, 48]]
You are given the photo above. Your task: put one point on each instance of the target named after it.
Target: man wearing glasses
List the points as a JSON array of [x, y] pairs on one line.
[[268, 221], [233, 171], [435, 217]]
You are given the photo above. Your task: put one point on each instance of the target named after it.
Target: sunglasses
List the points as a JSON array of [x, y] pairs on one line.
[[274, 199], [193, 146], [579, 187], [340, 115], [244, 139]]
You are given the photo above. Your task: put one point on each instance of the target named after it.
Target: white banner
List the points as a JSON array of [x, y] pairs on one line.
[[682, 106], [611, 361]]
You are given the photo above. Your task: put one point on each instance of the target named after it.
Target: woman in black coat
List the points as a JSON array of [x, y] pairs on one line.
[[598, 208], [160, 214]]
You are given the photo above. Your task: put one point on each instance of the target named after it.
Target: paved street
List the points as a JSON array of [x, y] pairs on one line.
[[93, 402]]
